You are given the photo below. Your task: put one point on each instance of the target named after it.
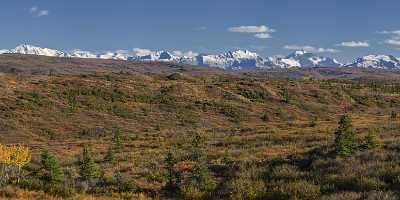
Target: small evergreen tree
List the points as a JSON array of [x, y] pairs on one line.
[[172, 175], [88, 168], [50, 171], [202, 178], [117, 139], [110, 156], [197, 153], [372, 140], [285, 95], [345, 137]]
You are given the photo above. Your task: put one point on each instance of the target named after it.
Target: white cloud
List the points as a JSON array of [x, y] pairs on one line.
[[395, 32], [251, 29], [354, 44], [263, 36], [311, 49], [142, 52], [262, 32], [36, 12], [393, 42], [394, 37]]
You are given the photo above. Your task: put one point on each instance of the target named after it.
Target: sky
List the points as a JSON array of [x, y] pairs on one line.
[[343, 29]]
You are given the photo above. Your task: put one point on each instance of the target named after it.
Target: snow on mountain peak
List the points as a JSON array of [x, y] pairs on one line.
[[237, 59], [299, 53], [377, 61], [240, 54], [77, 53], [302, 58], [33, 50]]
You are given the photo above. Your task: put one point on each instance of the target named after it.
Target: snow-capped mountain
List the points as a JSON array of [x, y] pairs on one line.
[[82, 54], [306, 59], [238, 59], [164, 56], [3, 51], [118, 55], [232, 60], [33, 50], [377, 62]]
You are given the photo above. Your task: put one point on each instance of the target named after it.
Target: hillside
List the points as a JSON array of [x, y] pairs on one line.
[[265, 134]]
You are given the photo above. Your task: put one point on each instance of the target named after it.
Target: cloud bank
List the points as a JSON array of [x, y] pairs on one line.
[[261, 32], [354, 44], [310, 49]]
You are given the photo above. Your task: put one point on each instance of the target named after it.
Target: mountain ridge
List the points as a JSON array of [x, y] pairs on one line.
[[233, 60]]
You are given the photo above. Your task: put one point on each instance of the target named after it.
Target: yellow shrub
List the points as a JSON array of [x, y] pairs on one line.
[[17, 155]]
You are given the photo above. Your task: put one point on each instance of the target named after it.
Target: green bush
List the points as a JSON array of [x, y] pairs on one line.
[[254, 95], [371, 140]]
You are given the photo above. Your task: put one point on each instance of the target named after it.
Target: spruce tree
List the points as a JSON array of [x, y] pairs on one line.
[[285, 95], [50, 171], [345, 137], [117, 140], [172, 175], [110, 156], [88, 168], [202, 178]]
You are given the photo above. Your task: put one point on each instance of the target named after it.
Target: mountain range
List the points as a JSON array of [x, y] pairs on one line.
[[239, 59]]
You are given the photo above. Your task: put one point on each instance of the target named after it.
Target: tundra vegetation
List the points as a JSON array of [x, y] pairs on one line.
[[112, 135]]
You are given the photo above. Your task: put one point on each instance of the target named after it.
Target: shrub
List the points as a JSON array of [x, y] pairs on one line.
[[343, 196], [380, 195], [12, 159], [192, 192], [265, 117], [314, 122], [254, 95], [286, 172], [293, 191], [371, 140], [244, 188], [121, 110], [352, 183]]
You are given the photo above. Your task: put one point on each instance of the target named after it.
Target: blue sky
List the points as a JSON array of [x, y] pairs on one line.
[[344, 29]]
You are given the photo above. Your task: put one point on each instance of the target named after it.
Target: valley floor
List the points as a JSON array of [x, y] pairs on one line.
[[178, 135]]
